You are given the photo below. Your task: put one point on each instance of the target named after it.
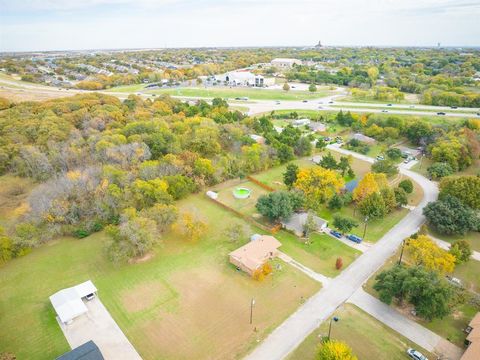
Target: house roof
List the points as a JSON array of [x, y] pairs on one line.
[[87, 351], [364, 138], [297, 220], [472, 352], [475, 322], [351, 185], [253, 254], [68, 302]]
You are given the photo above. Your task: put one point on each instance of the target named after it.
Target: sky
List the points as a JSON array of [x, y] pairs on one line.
[[35, 25]]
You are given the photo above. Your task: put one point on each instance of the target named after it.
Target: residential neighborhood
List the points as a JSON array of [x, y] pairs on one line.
[[215, 182]]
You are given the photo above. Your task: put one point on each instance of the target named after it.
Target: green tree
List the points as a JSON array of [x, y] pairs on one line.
[[312, 88], [277, 205], [439, 170], [394, 153], [386, 167], [335, 203], [461, 250], [464, 188], [449, 216], [286, 87], [290, 175], [373, 206], [406, 185], [431, 295], [344, 224], [328, 161], [6, 247], [401, 197]]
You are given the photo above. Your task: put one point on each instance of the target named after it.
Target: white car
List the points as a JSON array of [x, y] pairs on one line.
[[416, 355]]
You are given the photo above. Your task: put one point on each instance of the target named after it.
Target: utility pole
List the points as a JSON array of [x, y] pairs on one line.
[[251, 309], [330, 326], [365, 227], [401, 253]]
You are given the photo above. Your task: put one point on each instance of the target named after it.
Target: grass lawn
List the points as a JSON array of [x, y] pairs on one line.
[[127, 88], [274, 177], [252, 93], [244, 206], [473, 238], [375, 228], [185, 302], [368, 338], [320, 254]]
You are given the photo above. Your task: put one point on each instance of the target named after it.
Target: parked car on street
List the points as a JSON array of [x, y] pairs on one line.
[[416, 355], [354, 238], [380, 157], [384, 111], [441, 113], [336, 234], [389, 105]]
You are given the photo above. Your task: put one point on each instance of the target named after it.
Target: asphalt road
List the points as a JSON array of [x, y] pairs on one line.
[[285, 338]]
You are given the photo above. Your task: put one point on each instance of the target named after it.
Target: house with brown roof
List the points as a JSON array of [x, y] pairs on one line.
[[257, 252], [473, 339]]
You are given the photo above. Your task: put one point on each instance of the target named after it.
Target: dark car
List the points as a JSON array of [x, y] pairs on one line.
[[389, 105], [336, 234], [441, 113], [354, 238], [453, 107]]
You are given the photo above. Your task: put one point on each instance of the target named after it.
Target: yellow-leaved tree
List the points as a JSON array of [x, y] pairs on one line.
[[367, 186], [424, 251], [318, 185], [335, 350]]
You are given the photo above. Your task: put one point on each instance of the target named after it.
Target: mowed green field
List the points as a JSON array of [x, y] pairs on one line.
[[368, 338], [184, 302], [251, 93]]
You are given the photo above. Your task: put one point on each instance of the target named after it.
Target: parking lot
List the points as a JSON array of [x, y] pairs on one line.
[[99, 326]]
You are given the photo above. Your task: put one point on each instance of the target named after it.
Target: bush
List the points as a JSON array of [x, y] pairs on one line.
[[339, 263], [461, 250], [81, 233], [439, 170], [406, 185], [386, 167], [335, 203]]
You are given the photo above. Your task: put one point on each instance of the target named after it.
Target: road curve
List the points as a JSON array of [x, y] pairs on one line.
[[286, 337]]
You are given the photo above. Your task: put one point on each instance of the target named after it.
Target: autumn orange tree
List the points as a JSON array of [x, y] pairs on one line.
[[424, 251], [318, 185]]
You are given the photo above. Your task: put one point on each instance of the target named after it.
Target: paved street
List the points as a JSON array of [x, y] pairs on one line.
[[319, 307], [404, 326]]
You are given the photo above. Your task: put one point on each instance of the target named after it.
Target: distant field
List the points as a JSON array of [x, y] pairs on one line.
[[186, 302], [368, 338], [253, 94], [409, 99]]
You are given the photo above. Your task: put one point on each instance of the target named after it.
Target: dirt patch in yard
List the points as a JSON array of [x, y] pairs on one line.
[[144, 296]]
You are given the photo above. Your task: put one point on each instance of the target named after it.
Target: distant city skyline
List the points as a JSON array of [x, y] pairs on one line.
[[55, 25]]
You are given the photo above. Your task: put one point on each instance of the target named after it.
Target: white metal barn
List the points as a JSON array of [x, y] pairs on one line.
[[68, 303]]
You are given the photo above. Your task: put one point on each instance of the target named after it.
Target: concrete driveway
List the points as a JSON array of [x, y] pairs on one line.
[[99, 326]]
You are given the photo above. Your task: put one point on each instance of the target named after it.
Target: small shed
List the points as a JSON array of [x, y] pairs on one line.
[[212, 195], [301, 122], [68, 303]]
